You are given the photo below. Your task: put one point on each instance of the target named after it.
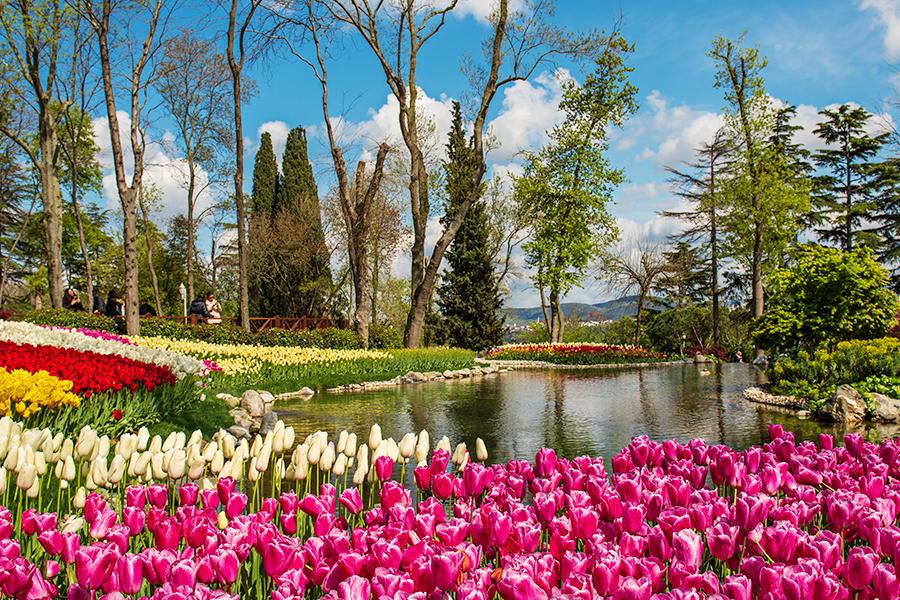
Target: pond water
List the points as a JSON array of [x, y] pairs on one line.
[[593, 411]]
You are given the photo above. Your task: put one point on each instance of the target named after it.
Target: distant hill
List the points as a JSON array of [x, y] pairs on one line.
[[602, 311]]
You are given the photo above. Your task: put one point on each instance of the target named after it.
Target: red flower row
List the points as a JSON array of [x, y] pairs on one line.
[[89, 372]]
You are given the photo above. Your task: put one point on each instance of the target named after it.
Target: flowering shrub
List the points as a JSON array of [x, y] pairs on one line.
[[27, 393], [782, 520], [575, 354], [716, 351]]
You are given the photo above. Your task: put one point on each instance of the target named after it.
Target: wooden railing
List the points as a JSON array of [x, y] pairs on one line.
[[261, 323]]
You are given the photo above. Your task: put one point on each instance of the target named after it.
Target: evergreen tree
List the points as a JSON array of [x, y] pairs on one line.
[[469, 296], [844, 196], [887, 216], [686, 277], [265, 178]]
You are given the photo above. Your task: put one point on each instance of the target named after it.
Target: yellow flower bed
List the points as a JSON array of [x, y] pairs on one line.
[[242, 358], [28, 393]]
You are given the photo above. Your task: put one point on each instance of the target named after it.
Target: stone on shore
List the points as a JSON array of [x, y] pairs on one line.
[[845, 406], [887, 409], [268, 422], [253, 403]]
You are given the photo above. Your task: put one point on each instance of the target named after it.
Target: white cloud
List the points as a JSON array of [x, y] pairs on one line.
[[530, 109], [887, 14], [481, 9], [279, 131], [168, 174]]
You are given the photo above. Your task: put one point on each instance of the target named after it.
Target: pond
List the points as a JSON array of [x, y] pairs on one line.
[[592, 411]]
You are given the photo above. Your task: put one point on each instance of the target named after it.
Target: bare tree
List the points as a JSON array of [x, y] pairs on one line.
[[507, 227], [239, 22], [633, 270], [138, 77], [396, 33], [356, 198], [35, 35], [148, 199], [194, 87]]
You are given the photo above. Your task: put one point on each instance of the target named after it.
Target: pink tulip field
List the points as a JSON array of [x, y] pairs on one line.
[[663, 521]]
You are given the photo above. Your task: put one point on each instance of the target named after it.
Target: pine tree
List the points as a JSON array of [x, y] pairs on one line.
[[844, 195], [297, 201], [887, 216], [469, 296], [265, 178]]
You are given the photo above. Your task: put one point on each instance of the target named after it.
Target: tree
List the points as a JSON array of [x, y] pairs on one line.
[[701, 187], [36, 35], [193, 84], [824, 296], [396, 33], [298, 195], [265, 178], [686, 277], [468, 296], [635, 270], [844, 195], [239, 23], [140, 71], [886, 194], [766, 198], [18, 195], [567, 185]]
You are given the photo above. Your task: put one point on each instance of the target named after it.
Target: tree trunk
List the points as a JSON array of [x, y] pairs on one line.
[[547, 321], [190, 225], [88, 273], [154, 281], [637, 317], [362, 292], [130, 250], [758, 303], [714, 249], [50, 197], [848, 223], [376, 268]]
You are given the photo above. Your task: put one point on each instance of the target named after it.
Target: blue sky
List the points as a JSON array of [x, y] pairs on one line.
[[820, 53]]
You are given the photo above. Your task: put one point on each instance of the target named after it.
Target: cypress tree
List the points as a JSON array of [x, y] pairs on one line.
[[298, 200], [469, 296], [265, 177]]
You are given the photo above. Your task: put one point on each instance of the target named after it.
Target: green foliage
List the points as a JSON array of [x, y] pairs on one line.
[[620, 331], [59, 317], [567, 186], [383, 336], [825, 296], [678, 328], [320, 376], [265, 177], [468, 296], [844, 193], [815, 375]]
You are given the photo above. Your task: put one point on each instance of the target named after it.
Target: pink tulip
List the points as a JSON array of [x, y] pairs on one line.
[[422, 475], [440, 458], [235, 504], [188, 493], [384, 467], [94, 565], [442, 485], [351, 500], [130, 570], [94, 504], [158, 495], [134, 518], [225, 488], [860, 567], [545, 462]]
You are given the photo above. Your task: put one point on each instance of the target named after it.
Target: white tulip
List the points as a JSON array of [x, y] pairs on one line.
[[68, 470], [359, 476], [102, 447], [177, 463], [116, 470], [207, 484], [421, 454], [350, 447], [459, 453], [217, 462], [481, 452], [252, 473], [4, 444], [5, 426], [243, 448], [99, 471], [40, 465], [315, 452], [74, 524], [157, 471], [169, 443], [261, 463], [227, 444], [256, 446], [279, 468], [407, 446], [301, 470], [34, 490], [340, 465], [143, 438], [2, 480], [375, 436], [342, 441], [68, 448], [84, 447], [12, 457], [464, 461], [443, 444], [327, 459], [196, 438], [196, 470], [392, 450], [290, 437]]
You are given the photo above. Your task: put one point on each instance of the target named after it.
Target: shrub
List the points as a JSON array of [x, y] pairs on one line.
[[824, 297], [716, 351], [60, 317], [383, 336]]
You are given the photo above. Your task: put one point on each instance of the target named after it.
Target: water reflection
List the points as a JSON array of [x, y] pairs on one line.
[[575, 412]]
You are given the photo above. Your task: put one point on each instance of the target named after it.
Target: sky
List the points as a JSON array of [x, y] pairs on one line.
[[821, 53]]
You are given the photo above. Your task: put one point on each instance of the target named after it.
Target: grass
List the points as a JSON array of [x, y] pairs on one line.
[[207, 415], [320, 376]]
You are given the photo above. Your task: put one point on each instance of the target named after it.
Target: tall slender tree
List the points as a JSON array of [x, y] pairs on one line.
[[701, 187], [469, 296], [844, 194], [265, 178], [298, 197]]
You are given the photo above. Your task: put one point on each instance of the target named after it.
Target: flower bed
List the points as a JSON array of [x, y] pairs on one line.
[[782, 520], [575, 354], [25, 393]]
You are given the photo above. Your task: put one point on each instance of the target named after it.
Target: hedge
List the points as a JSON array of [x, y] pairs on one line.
[[380, 336]]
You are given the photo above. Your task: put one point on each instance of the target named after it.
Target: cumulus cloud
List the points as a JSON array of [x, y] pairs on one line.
[[481, 10], [168, 174], [279, 131], [887, 15]]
